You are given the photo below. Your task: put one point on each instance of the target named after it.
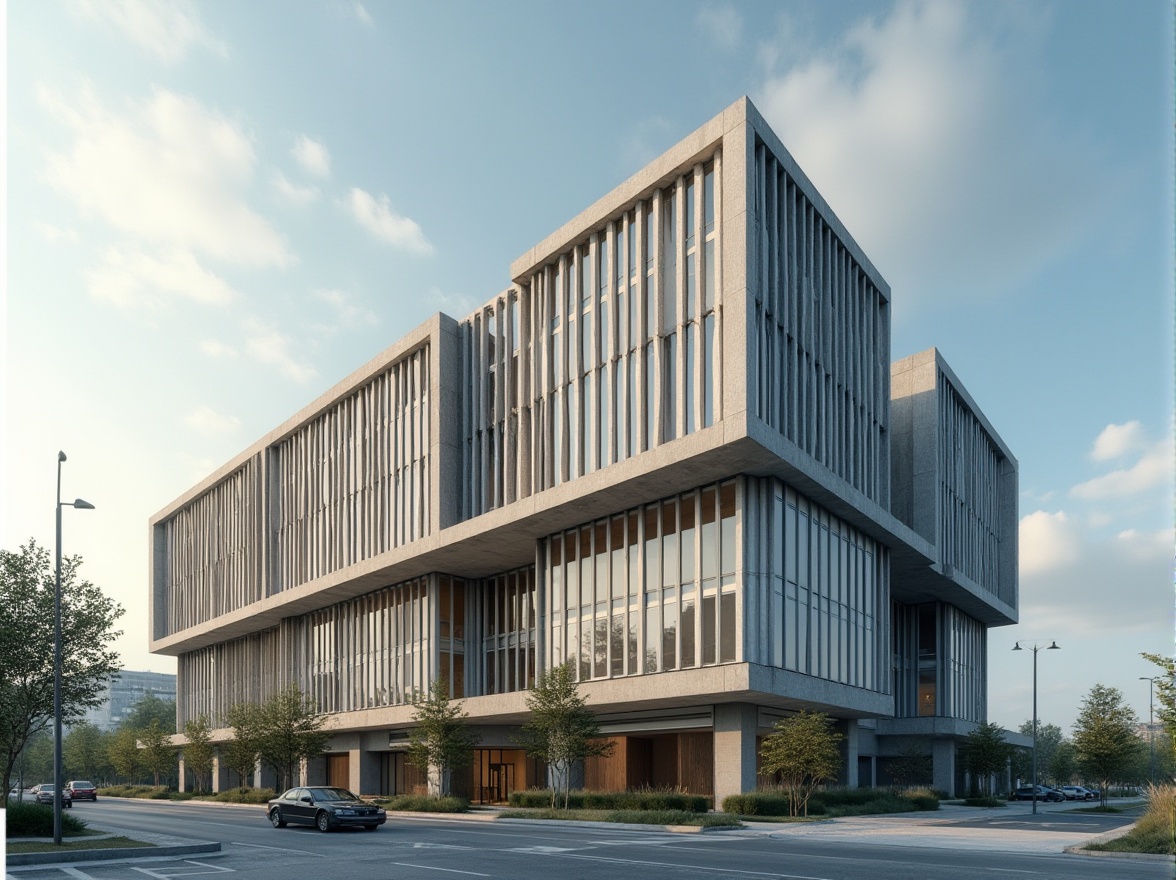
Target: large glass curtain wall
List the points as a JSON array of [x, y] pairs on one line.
[[940, 662], [609, 350], [816, 589], [508, 612], [649, 590]]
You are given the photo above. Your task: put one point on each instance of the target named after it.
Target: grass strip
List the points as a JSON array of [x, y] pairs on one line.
[[68, 845]]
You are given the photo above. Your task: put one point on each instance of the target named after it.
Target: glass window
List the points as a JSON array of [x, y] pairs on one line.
[[688, 394], [633, 545], [669, 544], [709, 625], [617, 646], [652, 550], [587, 568], [709, 538], [601, 558], [669, 386], [686, 530], [687, 626], [728, 632], [617, 552], [670, 278], [708, 371], [669, 629], [653, 631]]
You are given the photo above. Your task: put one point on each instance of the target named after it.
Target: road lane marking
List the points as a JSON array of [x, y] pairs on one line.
[[449, 870], [75, 872], [279, 848], [707, 868]]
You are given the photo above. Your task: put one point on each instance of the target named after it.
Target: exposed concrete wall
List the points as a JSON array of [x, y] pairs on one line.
[[734, 749]]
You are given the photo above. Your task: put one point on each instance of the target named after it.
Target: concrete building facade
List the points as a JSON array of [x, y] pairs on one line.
[[674, 453]]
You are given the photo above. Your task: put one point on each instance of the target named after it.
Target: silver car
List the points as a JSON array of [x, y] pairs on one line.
[[44, 794]]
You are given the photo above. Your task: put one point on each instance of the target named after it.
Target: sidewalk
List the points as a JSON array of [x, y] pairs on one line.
[[948, 828]]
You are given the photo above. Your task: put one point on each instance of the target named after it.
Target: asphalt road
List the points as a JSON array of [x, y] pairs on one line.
[[415, 849]]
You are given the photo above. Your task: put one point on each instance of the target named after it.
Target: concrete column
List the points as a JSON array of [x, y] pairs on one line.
[[851, 753], [734, 749], [265, 777], [180, 786], [363, 771], [220, 772], [943, 758]]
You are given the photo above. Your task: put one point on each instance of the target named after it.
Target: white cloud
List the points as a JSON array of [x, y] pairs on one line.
[[130, 278], [55, 234], [378, 218], [292, 192], [1152, 470], [312, 156], [1047, 540], [456, 305], [924, 132], [269, 346], [347, 313], [166, 29], [365, 17], [207, 421], [170, 172], [216, 349], [723, 24], [1117, 440]]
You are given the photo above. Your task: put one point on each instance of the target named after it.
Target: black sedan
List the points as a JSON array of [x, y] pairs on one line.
[[325, 808]]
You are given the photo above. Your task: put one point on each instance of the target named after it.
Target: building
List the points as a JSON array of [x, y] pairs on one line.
[[124, 691], [674, 453]]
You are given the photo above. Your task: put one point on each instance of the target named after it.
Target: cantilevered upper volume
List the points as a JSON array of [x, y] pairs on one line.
[[668, 453]]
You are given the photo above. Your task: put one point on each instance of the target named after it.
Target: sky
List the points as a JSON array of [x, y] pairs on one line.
[[217, 210]]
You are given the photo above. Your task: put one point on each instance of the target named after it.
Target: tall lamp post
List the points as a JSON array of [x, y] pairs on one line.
[[1053, 646], [1151, 731], [57, 781]]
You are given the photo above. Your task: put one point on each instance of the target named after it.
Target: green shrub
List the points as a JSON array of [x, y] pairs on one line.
[[642, 800], [244, 795], [636, 817], [420, 803], [834, 802], [985, 801], [36, 820]]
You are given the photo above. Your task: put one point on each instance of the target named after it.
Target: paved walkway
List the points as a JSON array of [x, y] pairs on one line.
[[1011, 828]]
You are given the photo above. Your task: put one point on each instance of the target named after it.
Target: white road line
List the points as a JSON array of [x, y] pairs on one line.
[[706, 868], [449, 870], [278, 848], [75, 872]]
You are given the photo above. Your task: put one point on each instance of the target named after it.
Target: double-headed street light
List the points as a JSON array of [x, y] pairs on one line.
[[1151, 732], [1052, 646], [57, 781]]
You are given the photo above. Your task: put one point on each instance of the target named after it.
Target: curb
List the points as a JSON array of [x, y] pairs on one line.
[[1079, 848], [95, 855]]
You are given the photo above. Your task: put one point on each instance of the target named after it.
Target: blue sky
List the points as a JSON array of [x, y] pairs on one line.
[[217, 210]]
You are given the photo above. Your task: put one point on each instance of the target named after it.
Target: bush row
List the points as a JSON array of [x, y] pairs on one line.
[[614, 800], [36, 820], [420, 803], [163, 793], [834, 802], [636, 817]]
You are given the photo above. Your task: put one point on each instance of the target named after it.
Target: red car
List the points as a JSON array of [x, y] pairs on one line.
[[82, 790]]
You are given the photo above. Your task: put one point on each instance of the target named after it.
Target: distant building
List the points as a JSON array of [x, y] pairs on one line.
[[125, 690], [674, 453]]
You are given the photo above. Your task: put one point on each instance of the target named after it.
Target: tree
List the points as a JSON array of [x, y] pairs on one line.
[[124, 754], [198, 751], [913, 766], [159, 756], [240, 753], [986, 753], [561, 729], [1165, 694], [1049, 737], [441, 742], [84, 752], [151, 708], [26, 635], [1063, 764], [803, 750], [1104, 737], [289, 729]]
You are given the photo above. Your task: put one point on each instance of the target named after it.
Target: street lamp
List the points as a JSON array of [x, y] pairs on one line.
[[57, 782], [1151, 732], [1053, 646]]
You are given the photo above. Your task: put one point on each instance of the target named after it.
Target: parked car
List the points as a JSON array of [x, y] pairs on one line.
[[82, 790], [44, 794], [1044, 793], [1078, 793], [325, 808]]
